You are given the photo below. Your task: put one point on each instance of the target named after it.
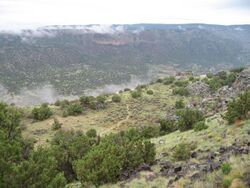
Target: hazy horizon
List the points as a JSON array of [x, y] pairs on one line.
[[25, 14]]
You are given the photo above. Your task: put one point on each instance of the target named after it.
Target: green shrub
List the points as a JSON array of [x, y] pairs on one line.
[[214, 83], [226, 182], [226, 168], [150, 92], [181, 83], [86, 100], [115, 154], [57, 103], [182, 152], [191, 78], [93, 105], [167, 126], [140, 87], [222, 75], [188, 118], [136, 94], [42, 113], [74, 109], [39, 170], [210, 75], [127, 89], [179, 104], [237, 70], [220, 79], [169, 80], [64, 103], [101, 99], [199, 126], [230, 79], [91, 133], [238, 108], [56, 125], [116, 98], [181, 91], [159, 80], [68, 146], [150, 131]]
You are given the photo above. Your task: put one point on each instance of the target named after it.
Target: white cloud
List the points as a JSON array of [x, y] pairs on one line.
[[22, 13]]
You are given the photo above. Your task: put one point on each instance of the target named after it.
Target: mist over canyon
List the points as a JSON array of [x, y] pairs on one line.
[[67, 61]]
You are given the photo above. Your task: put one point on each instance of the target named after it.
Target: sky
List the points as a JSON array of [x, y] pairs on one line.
[[16, 14]]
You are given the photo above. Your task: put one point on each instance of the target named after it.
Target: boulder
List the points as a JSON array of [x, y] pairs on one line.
[[193, 154], [144, 167], [177, 169], [214, 166]]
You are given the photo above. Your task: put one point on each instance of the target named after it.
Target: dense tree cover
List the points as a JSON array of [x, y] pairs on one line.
[[71, 156], [239, 108], [40, 170], [69, 146], [188, 118], [41, 113], [21, 166], [114, 154]]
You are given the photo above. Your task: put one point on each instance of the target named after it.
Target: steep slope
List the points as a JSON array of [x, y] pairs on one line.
[[217, 155], [75, 58]]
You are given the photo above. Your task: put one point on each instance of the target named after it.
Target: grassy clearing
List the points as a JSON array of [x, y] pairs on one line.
[[211, 138], [130, 112]]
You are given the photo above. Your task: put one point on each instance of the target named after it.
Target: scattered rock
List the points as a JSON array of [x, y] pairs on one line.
[[222, 149], [211, 155], [194, 154], [166, 165], [161, 141], [170, 182], [246, 178], [177, 169], [195, 176], [164, 154], [144, 167], [214, 166], [248, 132]]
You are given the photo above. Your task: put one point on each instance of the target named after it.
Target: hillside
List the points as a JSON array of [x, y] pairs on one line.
[[216, 154], [73, 59]]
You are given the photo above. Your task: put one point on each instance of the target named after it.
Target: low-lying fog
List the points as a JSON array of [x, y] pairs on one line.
[[48, 94]]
